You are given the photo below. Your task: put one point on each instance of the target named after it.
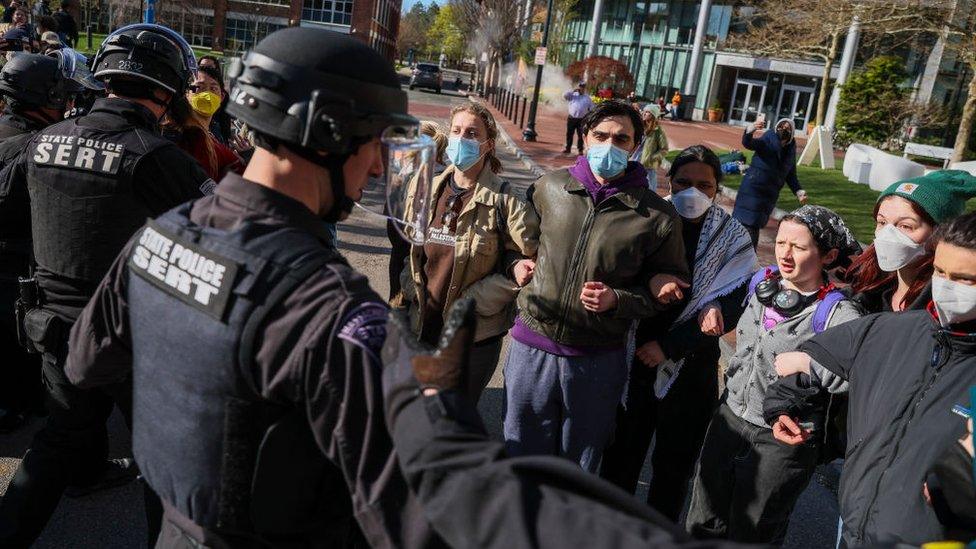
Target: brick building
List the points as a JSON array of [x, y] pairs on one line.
[[234, 26]]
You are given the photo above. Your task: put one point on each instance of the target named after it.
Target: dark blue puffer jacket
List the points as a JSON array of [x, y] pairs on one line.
[[772, 165]]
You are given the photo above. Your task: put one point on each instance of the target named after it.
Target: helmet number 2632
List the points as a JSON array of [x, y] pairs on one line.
[[127, 65]]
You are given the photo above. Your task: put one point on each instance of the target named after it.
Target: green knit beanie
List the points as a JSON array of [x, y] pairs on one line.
[[942, 194]]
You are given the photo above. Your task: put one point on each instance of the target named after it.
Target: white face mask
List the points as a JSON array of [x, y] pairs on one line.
[[691, 203], [955, 302], [895, 249]]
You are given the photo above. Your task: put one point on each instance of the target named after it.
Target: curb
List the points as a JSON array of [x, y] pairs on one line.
[[513, 147]]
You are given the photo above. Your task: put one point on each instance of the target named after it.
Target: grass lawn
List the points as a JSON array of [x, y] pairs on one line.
[[829, 188], [98, 38]]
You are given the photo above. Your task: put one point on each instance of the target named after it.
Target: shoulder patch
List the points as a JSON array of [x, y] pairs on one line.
[[208, 186], [365, 327], [200, 278], [79, 153]]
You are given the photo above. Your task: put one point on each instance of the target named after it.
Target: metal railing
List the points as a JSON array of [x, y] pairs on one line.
[[512, 105]]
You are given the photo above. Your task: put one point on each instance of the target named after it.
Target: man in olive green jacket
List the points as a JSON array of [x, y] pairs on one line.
[[604, 237]]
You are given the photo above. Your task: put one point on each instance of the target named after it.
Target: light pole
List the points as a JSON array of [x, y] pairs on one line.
[[529, 134]]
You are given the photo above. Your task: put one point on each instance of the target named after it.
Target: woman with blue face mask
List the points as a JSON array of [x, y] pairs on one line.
[[480, 238]]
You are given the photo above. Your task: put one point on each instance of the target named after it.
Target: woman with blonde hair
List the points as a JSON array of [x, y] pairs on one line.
[[477, 244]]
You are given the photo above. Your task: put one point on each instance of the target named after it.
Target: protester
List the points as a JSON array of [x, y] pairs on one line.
[[773, 164], [605, 240], [221, 124], [184, 127], [580, 103], [8, 12], [67, 28], [894, 272], [654, 144], [677, 408], [399, 246], [675, 105], [905, 375], [479, 240], [746, 483], [20, 29]]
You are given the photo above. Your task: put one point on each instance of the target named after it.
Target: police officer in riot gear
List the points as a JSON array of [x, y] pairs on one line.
[[252, 344], [37, 94], [92, 182]]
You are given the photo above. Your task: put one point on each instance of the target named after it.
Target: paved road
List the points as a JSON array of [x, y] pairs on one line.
[[113, 519]]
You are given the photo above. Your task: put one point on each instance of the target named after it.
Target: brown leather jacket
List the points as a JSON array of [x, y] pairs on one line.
[[623, 242]]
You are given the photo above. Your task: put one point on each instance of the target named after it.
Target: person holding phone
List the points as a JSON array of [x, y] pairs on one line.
[[772, 166]]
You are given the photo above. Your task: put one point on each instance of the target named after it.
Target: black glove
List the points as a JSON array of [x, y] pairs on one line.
[[411, 366]]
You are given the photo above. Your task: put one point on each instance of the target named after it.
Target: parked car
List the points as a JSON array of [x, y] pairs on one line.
[[427, 75]]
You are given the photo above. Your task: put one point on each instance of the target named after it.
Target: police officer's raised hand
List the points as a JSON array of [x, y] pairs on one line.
[[789, 432], [597, 297], [411, 365], [795, 362]]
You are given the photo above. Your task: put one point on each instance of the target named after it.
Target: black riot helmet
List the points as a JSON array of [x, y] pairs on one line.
[[151, 55], [30, 81], [317, 91]]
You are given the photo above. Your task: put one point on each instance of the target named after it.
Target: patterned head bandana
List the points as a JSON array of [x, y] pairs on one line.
[[830, 232]]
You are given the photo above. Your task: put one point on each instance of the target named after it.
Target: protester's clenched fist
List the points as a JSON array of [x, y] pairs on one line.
[[522, 271], [710, 320], [597, 297]]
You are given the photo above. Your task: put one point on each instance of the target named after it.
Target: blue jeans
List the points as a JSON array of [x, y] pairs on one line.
[[563, 406]]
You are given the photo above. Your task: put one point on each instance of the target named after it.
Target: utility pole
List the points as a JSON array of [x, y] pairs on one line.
[[529, 134], [846, 64], [150, 14]]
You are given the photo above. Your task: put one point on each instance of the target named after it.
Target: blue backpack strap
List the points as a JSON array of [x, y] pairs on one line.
[[825, 308]]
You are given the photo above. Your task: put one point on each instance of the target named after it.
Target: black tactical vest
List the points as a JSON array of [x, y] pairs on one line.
[[205, 441], [83, 204]]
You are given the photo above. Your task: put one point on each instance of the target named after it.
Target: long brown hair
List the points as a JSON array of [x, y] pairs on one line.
[[489, 121], [865, 275]]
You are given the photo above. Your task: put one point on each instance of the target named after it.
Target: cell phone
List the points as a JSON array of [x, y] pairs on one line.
[[761, 118], [806, 425]]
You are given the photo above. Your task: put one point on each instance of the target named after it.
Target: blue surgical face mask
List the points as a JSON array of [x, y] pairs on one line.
[[463, 152], [607, 160]]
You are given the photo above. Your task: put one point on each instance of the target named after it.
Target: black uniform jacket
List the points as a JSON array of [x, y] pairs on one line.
[[476, 496], [300, 360], [163, 178], [904, 373]]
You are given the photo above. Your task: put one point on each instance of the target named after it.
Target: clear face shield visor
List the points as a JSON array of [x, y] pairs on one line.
[[402, 193]]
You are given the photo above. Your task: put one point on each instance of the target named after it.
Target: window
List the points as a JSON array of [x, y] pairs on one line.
[[271, 2], [196, 28], [241, 34], [338, 12]]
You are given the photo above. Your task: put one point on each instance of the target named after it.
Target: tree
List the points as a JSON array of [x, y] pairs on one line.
[[492, 27], [602, 72], [873, 106], [956, 37], [412, 34], [445, 34], [814, 29]]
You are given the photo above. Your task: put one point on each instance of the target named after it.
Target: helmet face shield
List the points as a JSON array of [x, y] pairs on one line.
[[74, 66], [405, 185]]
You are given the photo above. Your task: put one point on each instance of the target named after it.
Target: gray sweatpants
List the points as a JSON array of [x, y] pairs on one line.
[[559, 405]]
